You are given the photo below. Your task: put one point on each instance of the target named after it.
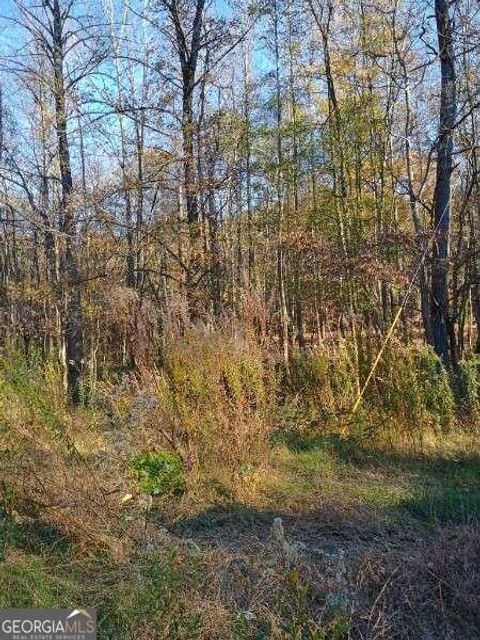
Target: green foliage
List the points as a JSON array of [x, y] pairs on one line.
[[409, 393], [298, 621], [445, 490], [445, 504], [141, 598], [326, 377], [413, 389], [469, 385], [158, 473], [435, 388], [217, 398]]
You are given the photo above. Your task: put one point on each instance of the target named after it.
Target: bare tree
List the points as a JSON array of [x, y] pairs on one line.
[[58, 34], [443, 329]]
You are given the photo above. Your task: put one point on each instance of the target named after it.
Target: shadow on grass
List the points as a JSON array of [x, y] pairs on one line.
[[443, 489], [363, 495], [230, 522], [31, 535]]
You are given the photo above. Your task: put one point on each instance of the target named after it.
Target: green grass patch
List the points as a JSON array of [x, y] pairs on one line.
[[149, 600], [28, 580], [436, 485]]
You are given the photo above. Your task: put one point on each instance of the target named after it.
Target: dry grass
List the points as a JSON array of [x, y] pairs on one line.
[[429, 589]]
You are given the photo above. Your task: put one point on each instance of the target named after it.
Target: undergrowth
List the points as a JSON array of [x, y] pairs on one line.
[[218, 435]]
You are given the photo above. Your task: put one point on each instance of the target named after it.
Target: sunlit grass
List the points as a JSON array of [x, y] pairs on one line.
[[440, 482]]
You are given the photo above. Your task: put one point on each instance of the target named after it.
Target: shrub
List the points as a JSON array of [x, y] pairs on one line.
[[43, 474], [212, 403], [409, 392], [326, 377], [413, 388], [435, 388], [469, 385]]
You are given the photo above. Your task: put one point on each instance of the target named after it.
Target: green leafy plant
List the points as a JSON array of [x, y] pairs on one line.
[[158, 473]]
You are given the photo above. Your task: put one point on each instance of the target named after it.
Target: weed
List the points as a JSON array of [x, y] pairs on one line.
[[158, 473]]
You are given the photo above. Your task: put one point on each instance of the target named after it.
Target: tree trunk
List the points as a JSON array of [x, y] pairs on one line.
[[281, 258], [72, 310], [188, 44], [441, 329]]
